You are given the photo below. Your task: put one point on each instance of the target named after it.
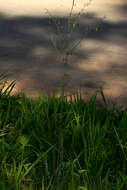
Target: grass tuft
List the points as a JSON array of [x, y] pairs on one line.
[[50, 143], [53, 144]]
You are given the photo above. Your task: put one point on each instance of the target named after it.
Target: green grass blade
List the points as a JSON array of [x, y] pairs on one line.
[[40, 157]]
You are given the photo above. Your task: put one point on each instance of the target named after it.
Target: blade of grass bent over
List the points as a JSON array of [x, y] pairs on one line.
[[35, 163]]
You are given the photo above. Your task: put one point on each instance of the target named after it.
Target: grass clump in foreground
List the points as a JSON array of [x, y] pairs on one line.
[[52, 144]]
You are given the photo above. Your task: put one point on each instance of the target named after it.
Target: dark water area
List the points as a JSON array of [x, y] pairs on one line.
[[99, 61]]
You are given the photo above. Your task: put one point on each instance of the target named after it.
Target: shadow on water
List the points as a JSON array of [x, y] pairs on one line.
[[26, 50]]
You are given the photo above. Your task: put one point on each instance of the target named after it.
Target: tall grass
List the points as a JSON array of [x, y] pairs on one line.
[[52, 144], [48, 144]]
